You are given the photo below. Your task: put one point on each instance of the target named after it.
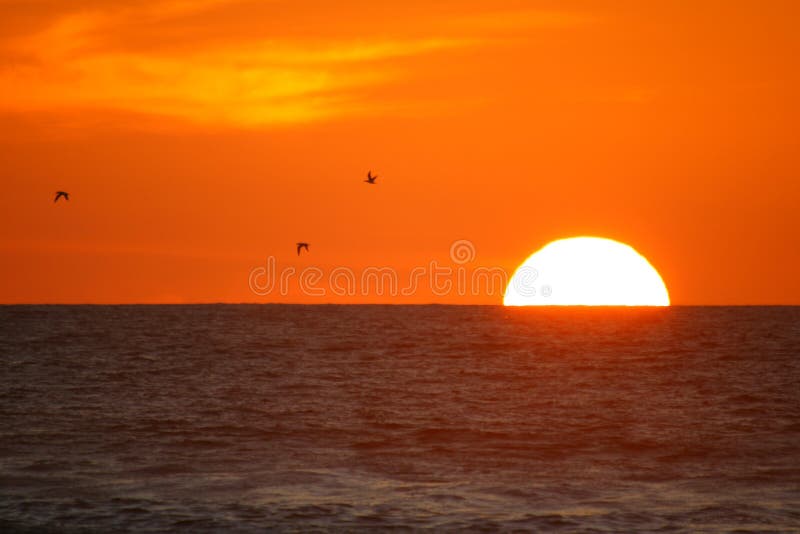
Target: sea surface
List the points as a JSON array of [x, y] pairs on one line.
[[246, 418]]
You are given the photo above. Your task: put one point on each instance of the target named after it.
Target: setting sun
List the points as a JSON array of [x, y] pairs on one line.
[[589, 271]]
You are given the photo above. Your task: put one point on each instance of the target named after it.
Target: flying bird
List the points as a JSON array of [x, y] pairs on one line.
[[301, 246], [60, 194], [371, 179]]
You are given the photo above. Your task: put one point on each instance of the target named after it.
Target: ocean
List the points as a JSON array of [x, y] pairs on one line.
[[248, 418]]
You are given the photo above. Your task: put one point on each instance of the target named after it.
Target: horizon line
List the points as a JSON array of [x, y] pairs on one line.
[[500, 305]]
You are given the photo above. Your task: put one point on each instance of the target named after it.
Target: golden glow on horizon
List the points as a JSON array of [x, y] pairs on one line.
[[586, 271]]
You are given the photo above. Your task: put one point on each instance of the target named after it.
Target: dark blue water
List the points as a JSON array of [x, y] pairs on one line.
[[295, 418]]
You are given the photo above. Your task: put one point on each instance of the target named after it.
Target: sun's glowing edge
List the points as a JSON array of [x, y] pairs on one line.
[[586, 271]]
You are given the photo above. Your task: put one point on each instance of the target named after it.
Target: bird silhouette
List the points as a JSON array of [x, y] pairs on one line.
[[371, 179], [301, 246], [60, 194]]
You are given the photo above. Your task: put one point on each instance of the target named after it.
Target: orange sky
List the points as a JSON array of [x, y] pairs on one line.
[[199, 138]]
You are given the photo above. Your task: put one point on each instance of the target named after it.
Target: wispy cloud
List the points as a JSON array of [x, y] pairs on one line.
[[251, 82]]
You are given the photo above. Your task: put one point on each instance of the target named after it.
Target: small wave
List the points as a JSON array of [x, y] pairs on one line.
[[165, 469]]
